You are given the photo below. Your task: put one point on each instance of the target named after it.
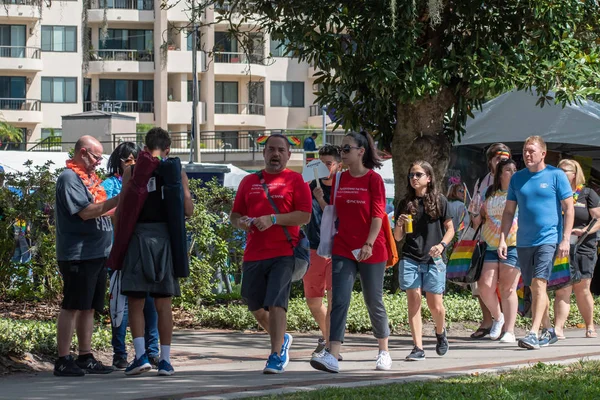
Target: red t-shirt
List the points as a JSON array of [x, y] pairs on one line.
[[290, 193], [358, 201]]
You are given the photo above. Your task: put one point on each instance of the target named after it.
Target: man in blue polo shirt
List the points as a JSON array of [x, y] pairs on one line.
[[543, 194]]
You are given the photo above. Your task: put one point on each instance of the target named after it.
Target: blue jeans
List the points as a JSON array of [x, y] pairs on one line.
[[150, 334]]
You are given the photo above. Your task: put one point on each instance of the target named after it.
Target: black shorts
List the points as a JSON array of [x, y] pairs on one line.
[[143, 295], [586, 263], [267, 283], [84, 284]]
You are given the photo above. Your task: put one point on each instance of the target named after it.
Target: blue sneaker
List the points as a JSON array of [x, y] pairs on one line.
[[138, 366], [548, 337], [530, 342], [274, 365], [285, 349], [165, 368]]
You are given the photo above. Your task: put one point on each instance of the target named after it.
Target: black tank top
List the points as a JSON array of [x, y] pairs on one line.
[[154, 209]]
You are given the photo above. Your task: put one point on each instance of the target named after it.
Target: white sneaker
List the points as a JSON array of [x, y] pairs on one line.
[[508, 337], [324, 361], [496, 329], [384, 361]]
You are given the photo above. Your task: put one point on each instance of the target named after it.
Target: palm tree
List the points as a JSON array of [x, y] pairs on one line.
[[9, 134]]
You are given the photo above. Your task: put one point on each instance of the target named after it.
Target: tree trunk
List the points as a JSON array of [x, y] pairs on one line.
[[419, 135]]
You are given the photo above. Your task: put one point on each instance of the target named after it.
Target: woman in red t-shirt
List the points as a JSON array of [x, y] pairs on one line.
[[359, 247]]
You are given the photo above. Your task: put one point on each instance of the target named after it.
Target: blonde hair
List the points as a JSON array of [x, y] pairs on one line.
[[576, 167], [536, 139]]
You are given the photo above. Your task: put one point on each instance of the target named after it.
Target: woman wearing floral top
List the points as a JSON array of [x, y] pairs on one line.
[[499, 274]]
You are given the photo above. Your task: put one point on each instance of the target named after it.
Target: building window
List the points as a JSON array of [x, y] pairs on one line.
[[59, 38], [226, 98], [190, 85], [12, 41], [128, 39], [51, 132], [287, 94], [278, 48], [59, 90]]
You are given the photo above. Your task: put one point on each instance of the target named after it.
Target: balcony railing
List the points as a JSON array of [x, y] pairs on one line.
[[118, 106], [20, 2], [19, 52], [20, 104], [239, 58], [122, 4], [228, 7], [121, 55], [240, 108]]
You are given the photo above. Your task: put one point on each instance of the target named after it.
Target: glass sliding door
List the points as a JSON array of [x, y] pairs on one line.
[[226, 97]]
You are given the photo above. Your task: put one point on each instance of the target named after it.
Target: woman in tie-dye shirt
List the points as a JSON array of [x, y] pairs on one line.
[[499, 275]]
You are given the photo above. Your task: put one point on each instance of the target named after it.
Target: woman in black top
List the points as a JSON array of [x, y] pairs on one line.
[[587, 207], [422, 268]]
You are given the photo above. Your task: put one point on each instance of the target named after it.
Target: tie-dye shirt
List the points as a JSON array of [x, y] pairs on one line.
[[494, 207]]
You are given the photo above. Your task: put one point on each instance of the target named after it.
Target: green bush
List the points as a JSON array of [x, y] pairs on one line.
[[460, 308], [39, 337]]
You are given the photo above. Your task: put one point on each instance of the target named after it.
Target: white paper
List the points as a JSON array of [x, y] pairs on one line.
[[151, 185], [308, 173], [356, 253]]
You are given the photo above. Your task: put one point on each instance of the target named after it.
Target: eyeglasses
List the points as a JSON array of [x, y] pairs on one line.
[[346, 149], [418, 175], [96, 157]]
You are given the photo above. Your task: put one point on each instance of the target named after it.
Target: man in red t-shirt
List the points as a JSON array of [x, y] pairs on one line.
[[269, 256]]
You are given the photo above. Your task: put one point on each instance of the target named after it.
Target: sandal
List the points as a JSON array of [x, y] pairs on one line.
[[480, 333], [590, 333]]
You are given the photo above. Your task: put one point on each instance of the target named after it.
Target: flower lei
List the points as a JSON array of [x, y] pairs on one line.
[[91, 182], [577, 192]]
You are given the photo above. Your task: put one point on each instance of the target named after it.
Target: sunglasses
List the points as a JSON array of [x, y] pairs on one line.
[[96, 157], [418, 175], [346, 149]]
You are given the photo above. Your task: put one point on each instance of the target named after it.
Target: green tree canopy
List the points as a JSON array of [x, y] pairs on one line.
[[412, 71]]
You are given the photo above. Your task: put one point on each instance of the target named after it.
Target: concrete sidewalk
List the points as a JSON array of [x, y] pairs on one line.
[[214, 364]]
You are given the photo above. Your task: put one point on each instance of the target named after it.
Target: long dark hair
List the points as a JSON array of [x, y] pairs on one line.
[[497, 185], [122, 152], [430, 200], [370, 158]]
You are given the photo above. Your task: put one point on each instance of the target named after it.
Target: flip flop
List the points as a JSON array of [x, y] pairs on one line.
[[480, 333], [591, 334]]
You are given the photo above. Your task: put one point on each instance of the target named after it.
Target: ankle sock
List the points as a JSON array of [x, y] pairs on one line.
[[165, 353], [140, 347]]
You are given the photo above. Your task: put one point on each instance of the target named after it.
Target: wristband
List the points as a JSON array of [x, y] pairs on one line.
[[444, 245], [368, 244], [274, 219]]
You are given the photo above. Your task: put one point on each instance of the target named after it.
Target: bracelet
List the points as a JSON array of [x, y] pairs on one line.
[[444, 245], [273, 219], [368, 244]]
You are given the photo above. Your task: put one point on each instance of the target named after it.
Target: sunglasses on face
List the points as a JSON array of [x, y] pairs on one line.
[[96, 157], [346, 149], [417, 175]]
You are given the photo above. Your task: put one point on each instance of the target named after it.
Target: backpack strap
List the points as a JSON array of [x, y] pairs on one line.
[[266, 189]]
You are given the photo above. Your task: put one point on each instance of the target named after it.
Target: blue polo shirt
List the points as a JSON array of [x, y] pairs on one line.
[[538, 196]]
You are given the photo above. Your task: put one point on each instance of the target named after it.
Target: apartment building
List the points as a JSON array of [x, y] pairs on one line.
[[140, 64]]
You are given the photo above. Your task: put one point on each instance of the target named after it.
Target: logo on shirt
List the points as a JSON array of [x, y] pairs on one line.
[[356, 202], [544, 185]]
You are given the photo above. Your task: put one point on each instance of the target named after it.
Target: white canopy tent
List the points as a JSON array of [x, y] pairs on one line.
[[511, 117], [387, 173]]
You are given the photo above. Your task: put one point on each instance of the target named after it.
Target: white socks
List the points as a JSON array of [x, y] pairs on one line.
[[140, 347], [165, 353]]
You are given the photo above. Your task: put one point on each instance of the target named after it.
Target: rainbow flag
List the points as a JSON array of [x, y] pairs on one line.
[[561, 272], [524, 296], [460, 259], [294, 141], [262, 139]]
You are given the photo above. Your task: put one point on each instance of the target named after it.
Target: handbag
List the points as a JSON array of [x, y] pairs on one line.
[[301, 250], [466, 260], [328, 224], [564, 270], [117, 300], [390, 243]]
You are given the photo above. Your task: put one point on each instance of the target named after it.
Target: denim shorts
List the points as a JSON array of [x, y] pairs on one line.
[[512, 257], [428, 277], [536, 262]]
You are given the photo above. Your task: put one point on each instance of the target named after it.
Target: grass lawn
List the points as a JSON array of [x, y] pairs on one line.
[[542, 381]]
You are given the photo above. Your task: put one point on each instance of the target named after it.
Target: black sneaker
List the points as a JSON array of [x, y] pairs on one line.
[[92, 366], [119, 362], [442, 345], [154, 360], [416, 354], [66, 366]]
